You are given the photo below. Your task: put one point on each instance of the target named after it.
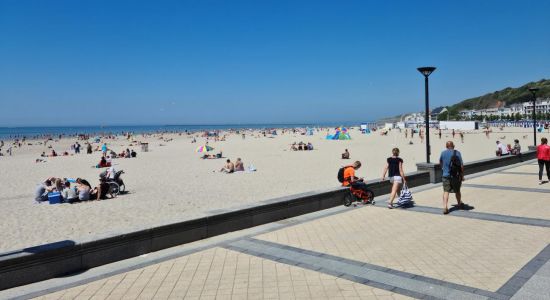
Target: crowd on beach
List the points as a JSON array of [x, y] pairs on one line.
[[72, 190], [393, 167], [301, 146]]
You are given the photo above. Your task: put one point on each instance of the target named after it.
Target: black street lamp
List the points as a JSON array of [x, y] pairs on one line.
[[426, 71], [534, 92]]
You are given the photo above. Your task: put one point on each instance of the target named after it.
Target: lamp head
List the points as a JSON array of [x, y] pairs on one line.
[[533, 90], [426, 71]]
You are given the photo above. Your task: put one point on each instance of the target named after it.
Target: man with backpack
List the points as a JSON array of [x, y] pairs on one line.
[[346, 175], [453, 175]]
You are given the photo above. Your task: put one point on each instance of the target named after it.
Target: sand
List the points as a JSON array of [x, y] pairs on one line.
[[171, 184]]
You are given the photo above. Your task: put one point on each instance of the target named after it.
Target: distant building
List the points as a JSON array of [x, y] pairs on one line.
[[525, 108], [436, 112]]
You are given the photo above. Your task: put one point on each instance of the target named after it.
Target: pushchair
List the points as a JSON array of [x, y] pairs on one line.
[[359, 195], [116, 185]]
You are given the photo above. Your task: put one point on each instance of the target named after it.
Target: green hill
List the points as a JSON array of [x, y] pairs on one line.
[[508, 96]]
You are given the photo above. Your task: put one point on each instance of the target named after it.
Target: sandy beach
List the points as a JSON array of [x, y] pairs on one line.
[[170, 183]]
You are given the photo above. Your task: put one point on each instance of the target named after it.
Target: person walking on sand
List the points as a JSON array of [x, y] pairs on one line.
[[462, 137], [543, 158], [396, 175], [453, 174]]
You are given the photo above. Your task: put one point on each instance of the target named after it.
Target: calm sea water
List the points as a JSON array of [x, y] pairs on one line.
[[30, 132]]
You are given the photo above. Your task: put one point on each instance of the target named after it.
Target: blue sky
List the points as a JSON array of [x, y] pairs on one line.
[[220, 62]]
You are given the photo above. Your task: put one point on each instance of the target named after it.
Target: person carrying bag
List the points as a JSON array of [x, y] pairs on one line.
[[405, 197]]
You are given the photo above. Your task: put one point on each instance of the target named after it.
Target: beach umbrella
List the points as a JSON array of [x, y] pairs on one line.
[[204, 149]]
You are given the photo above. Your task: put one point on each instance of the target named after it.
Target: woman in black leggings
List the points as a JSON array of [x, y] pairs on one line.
[[543, 157]]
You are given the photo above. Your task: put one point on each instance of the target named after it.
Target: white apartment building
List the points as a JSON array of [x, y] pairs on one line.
[[542, 106], [525, 108]]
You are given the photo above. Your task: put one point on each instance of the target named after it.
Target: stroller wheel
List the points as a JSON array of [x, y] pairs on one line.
[[369, 197], [347, 200], [114, 188]]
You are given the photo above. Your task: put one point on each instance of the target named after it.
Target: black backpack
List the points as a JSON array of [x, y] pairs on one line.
[[455, 166], [341, 174]]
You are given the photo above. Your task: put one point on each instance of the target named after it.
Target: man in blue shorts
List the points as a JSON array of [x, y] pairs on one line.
[[453, 175]]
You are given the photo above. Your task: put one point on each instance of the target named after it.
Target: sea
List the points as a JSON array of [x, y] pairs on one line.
[[8, 133]]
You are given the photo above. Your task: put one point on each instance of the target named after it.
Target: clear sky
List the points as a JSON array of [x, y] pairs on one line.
[[224, 62]]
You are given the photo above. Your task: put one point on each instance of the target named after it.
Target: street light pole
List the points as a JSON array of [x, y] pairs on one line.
[[426, 71], [534, 92]]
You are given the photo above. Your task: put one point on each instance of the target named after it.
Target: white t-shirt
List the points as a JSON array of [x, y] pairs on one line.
[[111, 171], [503, 148]]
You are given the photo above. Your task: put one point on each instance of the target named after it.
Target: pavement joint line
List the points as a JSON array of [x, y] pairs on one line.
[[508, 188], [537, 286], [369, 266], [518, 173], [372, 275], [514, 284], [474, 215]]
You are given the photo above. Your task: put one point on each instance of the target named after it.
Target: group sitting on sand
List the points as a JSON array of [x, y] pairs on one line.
[[231, 167], [301, 146], [81, 191]]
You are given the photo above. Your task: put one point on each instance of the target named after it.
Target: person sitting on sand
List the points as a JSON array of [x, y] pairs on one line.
[[83, 190], [42, 190], [293, 147], [228, 168], [239, 165], [84, 182], [69, 194], [309, 146], [133, 153], [89, 149], [100, 192], [345, 155], [53, 154], [59, 185], [103, 163]]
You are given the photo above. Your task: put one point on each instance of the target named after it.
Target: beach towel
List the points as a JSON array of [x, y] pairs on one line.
[[405, 197]]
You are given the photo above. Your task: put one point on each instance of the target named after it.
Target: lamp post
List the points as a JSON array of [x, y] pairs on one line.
[[426, 71], [534, 92]]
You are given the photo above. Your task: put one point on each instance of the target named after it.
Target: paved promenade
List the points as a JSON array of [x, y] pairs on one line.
[[497, 249]]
